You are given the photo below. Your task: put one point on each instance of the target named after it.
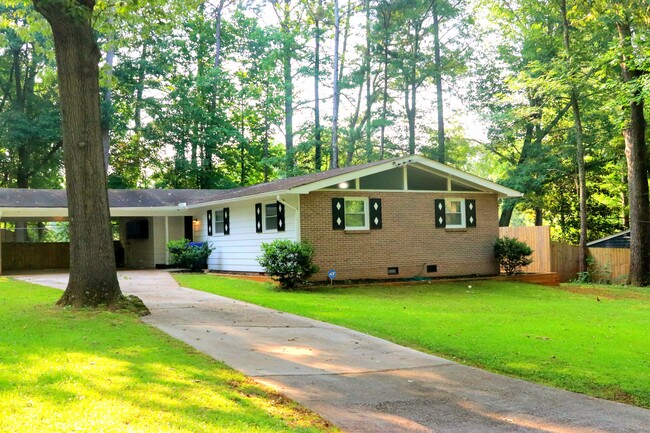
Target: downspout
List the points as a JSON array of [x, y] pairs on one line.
[[296, 215], [166, 239]]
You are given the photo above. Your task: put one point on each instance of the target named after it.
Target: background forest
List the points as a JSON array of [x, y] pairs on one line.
[[529, 93]]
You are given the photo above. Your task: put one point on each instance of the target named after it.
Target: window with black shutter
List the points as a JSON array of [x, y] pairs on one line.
[[209, 222]]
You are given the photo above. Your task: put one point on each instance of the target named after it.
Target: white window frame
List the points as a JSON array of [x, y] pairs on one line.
[[216, 220], [463, 223], [266, 229], [366, 217]]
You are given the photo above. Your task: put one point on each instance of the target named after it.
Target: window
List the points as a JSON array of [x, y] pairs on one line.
[[271, 216], [356, 213], [219, 222], [455, 213]]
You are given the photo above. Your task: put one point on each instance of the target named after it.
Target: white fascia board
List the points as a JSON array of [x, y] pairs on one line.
[[150, 211], [36, 212], [209, 204]]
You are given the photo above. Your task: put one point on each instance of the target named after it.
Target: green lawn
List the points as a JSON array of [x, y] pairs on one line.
[[595, 341], [86, 371]]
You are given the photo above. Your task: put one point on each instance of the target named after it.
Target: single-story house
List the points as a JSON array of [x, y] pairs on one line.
[[400, 218], [618, 240]]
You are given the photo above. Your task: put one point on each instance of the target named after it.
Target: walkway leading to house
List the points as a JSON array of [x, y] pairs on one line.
[[362, 383]]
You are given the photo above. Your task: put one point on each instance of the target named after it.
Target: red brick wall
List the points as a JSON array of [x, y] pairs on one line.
[[408, 238]]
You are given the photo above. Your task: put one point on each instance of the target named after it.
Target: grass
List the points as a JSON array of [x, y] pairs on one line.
[[65, 370], [589, 340]]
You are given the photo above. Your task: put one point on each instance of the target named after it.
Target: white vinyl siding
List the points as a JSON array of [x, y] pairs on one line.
[[238, 252]]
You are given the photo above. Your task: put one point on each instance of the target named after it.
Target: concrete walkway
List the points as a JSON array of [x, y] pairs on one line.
[[358, 382]]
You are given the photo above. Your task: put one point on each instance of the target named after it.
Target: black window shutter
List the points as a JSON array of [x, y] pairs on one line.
[[338, 214], [281, 222], [210, 222], [375, 213], [470, 213], [226, 221], [258, 217], [440, 213]]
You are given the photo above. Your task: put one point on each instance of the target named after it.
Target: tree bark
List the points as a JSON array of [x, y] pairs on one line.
[[438, 80], [318, 141], [637, 172], [580, 150], [334, 162], [288, 87], [93, 277], [369, 101]]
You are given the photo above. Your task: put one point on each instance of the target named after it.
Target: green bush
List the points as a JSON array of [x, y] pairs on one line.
[[512, 254], [291, 263], [189, 255]]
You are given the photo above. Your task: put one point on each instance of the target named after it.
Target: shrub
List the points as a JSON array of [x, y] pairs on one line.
[[288, 261], [189, 255], [512, 254]]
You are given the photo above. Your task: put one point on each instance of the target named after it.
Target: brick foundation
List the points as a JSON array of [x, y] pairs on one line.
[[408, 239]]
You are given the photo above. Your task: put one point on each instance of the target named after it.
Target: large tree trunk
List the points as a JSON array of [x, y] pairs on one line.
[[438, 80], [368, 68], [637, 173], [334, 162], [318, 142], [580, 150], [93, 277]]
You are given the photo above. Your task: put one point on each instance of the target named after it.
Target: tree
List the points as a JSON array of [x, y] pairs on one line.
[[93, 276], [636, 154], [334, 161]]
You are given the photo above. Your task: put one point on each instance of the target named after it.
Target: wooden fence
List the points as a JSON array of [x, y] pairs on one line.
[[611, 265], [539, 239], [20, 256], [607, 264]]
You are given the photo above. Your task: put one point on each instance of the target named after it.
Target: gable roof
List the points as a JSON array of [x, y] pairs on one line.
[[617, 240], [156, 198]]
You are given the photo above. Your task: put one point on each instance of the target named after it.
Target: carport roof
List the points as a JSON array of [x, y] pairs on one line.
[[118, 198]]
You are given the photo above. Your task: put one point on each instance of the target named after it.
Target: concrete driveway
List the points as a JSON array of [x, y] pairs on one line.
[[358, 382]]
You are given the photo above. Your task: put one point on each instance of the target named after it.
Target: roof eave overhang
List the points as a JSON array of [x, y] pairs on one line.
[[61, 212], [239, 199]]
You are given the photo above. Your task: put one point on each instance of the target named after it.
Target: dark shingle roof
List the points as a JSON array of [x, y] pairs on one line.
[[56, 198], [121, 198]]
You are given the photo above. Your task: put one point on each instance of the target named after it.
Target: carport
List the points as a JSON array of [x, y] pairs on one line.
[[145, 220]]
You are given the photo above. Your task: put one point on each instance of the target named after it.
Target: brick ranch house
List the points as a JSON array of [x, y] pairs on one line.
[[399, 218]]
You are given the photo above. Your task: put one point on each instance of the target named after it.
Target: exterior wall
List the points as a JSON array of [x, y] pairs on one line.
[[239, 250], [408, 238], [139, 253]]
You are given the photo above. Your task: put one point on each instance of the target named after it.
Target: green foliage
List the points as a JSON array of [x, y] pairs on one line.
[[512, 254], [290, 262], [189, 255], [521, 330]]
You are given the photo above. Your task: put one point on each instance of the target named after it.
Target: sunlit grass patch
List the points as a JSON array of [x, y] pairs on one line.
[[64, 370]]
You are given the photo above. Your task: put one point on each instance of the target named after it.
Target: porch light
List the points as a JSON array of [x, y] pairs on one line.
[[344, 185], [195, 220]]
